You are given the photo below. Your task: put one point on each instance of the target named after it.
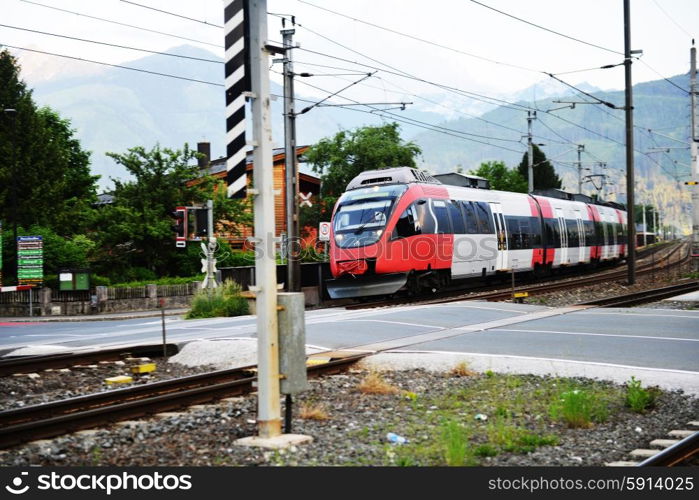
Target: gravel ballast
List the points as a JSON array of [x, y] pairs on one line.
[[354, 432]]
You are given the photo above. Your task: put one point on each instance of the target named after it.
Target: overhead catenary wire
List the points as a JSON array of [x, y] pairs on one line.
[[172, 14], [547, 29], [672, 20], [156, 73], [418, 123], [121, 24], [156, 52], [419, 39]]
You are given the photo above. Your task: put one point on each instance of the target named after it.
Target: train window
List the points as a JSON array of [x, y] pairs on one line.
[[573, 234], [405, 226], [553, 237], [426, 222], [440, 212], [457, 220], [470, 216], [535, 232], [514, 233], [485, 218]]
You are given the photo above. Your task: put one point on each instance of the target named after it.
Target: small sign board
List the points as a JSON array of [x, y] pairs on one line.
[[305, 199], [30, 260], [324, 231]]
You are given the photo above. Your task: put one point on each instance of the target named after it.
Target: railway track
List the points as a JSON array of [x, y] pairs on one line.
[[644, 296], [83, 412], [564, 282], [31, 364], [675, 454]]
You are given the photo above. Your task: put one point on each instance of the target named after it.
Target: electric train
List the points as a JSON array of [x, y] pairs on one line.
[[400, 229]]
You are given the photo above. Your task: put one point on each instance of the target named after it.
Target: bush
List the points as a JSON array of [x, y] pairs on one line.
[[579, 408], [638, 398], [222, 301]]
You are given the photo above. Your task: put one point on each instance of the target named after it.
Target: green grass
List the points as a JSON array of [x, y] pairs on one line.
[[579, 407], [455, 443], [639, 399], [223, 301]]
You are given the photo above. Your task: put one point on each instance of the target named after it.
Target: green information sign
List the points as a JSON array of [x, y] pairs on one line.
[[30, 260]]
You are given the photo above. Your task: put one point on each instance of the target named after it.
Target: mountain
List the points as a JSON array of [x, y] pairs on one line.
[[658, 105], [113, 109]]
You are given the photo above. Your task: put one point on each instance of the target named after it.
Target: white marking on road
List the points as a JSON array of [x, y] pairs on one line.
[[53, 335], [395, 322], [483, 307], [593, 334]]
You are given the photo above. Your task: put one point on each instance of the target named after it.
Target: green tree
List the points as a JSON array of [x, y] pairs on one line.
[[501, 177], [45, 174], [545, 176], [341, 158], [135, 232]]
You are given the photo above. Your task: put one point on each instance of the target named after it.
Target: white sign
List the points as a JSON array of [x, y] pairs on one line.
[[305, 199], [65, 277], [324, 231]]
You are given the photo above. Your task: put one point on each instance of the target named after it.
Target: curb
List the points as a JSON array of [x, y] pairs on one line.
[[68, 319]]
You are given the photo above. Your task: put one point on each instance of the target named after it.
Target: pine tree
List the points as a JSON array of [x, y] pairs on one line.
[[545, 176]]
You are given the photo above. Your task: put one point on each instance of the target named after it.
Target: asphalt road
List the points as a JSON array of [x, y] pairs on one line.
[[650, 338]]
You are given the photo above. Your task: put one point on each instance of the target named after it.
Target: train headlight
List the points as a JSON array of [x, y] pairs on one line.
[[338, 237]]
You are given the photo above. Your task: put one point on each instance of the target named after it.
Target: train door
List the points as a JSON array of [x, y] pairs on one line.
[[581, 236], [502, 261], [564, 236], [605, 240]]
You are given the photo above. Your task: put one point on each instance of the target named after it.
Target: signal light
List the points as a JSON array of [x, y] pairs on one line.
[[180, 226]]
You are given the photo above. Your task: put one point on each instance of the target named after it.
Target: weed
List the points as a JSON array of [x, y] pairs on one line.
[[313, 411], [410, 396], [579, 408], [455, 444], [405, 461], [375, 384], [222, 301], [485, 450], [462, 370], [96, 455], [638, 398], [489, 373]]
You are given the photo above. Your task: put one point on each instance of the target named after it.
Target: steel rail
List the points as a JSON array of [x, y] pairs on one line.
[[124, 409], [29, 364], [675, 454]]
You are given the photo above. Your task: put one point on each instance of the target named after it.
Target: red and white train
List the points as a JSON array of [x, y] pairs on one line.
[[399, 228]]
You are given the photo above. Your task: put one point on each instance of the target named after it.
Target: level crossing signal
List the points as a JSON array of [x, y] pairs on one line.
[[180, 226]]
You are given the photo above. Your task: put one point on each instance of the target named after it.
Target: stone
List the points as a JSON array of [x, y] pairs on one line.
[[281, 442]]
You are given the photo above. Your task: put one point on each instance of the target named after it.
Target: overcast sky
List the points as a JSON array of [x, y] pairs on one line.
[[661, 28]]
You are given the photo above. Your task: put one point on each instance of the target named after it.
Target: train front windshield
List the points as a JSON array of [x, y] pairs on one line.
[[362, 215]]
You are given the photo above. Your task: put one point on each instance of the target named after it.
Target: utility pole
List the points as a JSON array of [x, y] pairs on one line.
[[695, 167], [645, 229], [210, 263], [268, 402], [630, 184], [581, 148], [293, 265], [531, 115]]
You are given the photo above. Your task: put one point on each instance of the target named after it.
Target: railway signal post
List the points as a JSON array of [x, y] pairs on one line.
[[695, 168], [268, 379]]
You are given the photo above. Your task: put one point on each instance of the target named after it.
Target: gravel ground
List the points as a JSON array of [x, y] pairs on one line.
[[30, 389], [355, 431], [604, 290]]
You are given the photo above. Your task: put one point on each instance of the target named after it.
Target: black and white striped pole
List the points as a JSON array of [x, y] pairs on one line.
[[237, 90]]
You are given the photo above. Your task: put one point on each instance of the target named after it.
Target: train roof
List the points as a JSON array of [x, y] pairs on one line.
[[410, 175]]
